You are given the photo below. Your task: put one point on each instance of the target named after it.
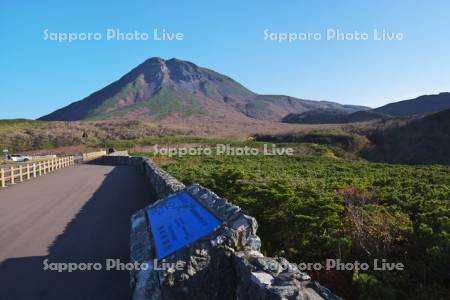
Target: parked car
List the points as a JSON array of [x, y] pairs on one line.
[[19, 157]]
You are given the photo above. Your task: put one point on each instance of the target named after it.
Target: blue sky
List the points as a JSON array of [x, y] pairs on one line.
[[39, 76]]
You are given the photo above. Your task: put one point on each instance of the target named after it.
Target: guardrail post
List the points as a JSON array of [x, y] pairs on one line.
[[20, 173], [2, 178], [11, 176], [28, 172], [34, 170]]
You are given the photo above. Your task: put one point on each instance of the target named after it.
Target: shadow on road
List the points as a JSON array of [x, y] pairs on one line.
[[99, 231]]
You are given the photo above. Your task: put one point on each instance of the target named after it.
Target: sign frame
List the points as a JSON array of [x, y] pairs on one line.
[[178, 221]]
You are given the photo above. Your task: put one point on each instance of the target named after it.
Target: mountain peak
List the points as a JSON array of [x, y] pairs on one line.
[[152, 62], [159, 70], [159, 60], [155, 59]]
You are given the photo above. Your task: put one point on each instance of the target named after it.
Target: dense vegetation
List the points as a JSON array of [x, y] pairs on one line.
[[416, 140], [25, 135], [332, 137], [313, 207], [425, 140], [334, 116]]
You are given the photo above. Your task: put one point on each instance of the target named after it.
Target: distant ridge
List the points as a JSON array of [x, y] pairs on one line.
[[417, 106], [408, 108]]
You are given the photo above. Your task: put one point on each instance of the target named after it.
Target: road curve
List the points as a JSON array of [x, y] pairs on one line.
[[76, 214]]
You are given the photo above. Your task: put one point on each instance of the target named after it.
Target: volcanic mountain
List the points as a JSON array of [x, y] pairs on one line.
[[177, 90]]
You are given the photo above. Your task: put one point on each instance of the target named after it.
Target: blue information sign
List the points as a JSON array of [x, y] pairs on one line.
[[177, 221]]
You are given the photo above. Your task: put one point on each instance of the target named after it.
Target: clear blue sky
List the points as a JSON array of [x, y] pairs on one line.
[[39, 76]]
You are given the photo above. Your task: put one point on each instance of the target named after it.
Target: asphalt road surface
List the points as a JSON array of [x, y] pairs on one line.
[[76, 214]]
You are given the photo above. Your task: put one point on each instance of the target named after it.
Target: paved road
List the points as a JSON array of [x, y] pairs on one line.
[[76, 214]]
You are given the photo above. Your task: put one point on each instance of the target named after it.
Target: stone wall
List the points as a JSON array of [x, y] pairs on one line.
[[226, 264], [162, 182]]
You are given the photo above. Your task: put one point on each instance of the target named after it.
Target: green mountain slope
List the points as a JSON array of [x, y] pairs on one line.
[[422, 141]]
